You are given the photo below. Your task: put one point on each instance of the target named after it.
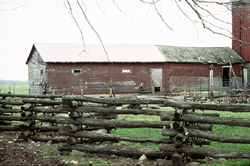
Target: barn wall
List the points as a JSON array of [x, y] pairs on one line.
[[190, 76], [240, 29], [37, 75], [97, 78]]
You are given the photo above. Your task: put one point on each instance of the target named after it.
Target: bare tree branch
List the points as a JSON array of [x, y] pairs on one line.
[[159, 14], [86, 18], [121, 10], [79, 28], [14, 8]]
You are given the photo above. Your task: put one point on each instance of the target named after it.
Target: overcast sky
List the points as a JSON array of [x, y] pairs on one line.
[[48, 21]]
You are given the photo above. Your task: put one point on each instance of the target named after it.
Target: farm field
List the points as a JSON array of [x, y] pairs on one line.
[[46, 152]]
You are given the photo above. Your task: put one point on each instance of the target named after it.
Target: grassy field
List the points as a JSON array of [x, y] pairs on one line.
[[219, 129], [15, 88]]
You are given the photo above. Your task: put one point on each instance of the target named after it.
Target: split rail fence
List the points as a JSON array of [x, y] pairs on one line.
[[86, 123]]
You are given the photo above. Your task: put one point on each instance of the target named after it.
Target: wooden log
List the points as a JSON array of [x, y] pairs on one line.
[[69, 129], [131, 151], [205, 106], [40, 118], [25, 135], [112, 101], [201, 126], [46, 139], [19, 128], [210, 136], [112, 137], [2, 110], [26, 114], [113, 123], [42, 101], [11, 102], [209, 152], [177, 159], [29, 96], [26, 107], [118, 111], [72, 140], [47, 110], [207, 119]]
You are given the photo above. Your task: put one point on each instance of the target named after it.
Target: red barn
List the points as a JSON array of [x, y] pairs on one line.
[[68, 69], [241, 34]]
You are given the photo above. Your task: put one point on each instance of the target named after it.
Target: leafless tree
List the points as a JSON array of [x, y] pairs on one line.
[[201, 14], [8, 5]]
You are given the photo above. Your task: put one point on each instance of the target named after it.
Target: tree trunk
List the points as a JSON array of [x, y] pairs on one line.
[[42, 101], [30, 96], [215, 153], [208, 119], [46, 139], [131, 151], [112, 137], [19, 128], [203, 106], [112, 101], [210, 136], [120, 111], [113, 123]]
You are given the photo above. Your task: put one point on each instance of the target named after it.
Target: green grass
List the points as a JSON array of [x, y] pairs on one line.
[[15, 89]]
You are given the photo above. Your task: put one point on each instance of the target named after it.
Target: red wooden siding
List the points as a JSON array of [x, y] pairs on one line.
[[240, 29], [96, 78]]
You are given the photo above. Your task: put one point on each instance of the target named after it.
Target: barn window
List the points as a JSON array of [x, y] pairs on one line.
[[225, 76], [76, 71], [126, 71]]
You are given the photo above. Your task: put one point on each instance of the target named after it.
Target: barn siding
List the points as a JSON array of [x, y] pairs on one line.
[[96, 78], [36, 80], [240, 29], [190, 76]]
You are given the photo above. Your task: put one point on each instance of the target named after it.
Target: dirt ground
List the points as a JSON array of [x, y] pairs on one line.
[[16, 152]]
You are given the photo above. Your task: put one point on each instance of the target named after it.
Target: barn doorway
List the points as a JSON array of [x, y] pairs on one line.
[[226, 76], [156, 80]]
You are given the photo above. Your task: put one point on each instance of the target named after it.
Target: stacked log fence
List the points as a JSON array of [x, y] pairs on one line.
[[87, 123]]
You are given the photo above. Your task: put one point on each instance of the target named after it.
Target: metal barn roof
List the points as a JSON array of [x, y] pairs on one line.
[[94, 53], [73, 53], [206, 55]]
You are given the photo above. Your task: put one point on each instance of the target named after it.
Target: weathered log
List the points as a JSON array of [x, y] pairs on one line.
[[41, 118], [46, 139], [27, 124], [69, 129], [210, 136], [47, 110], [112, 137], [26, 114], [177, 160], [19, 128], [10, 110], [29, 96], [201, 126], [42, 101], [205, 106], [132, 151], [11, 102], [118, 111], [112, 101], [26, 107], [25, 135], [113, 123], [72, 140], [215, 153], [207, 119]]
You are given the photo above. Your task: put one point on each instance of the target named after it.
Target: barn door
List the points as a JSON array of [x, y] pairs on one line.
[[156, 80]]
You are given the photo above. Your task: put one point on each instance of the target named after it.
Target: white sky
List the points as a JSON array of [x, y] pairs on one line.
[[47, 21]]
